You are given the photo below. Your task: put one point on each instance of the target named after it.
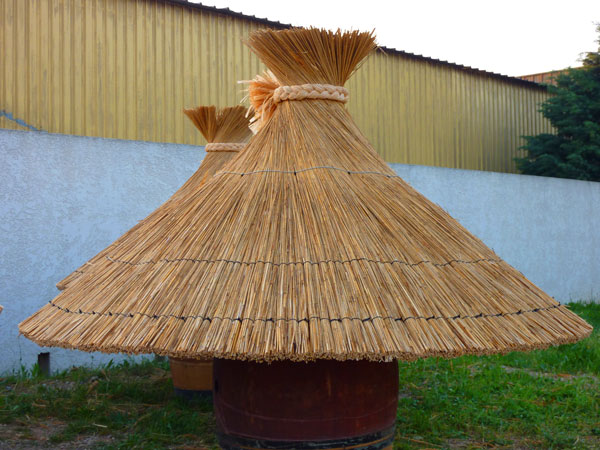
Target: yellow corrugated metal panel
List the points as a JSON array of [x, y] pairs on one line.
[[118, 68], [126, 68], [419, 112]]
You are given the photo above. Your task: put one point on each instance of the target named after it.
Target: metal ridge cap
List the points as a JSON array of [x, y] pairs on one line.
[[508, 78], [381, 48]]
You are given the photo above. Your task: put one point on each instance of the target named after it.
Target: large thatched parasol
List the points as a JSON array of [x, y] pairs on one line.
[[306, 246], [226, 126]]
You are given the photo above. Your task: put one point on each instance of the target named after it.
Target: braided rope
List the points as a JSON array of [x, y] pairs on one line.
[[311, 91], [224, 147]]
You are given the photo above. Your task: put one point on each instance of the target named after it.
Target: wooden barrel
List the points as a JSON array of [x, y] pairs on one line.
[[192, 378], [317, 405]]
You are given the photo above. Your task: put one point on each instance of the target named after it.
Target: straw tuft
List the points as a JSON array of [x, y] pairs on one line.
[[303, 56], [223, 125], [260, 94], [305, 246]]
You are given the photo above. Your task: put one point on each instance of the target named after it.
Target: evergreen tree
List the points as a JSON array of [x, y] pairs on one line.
[[573, 151]]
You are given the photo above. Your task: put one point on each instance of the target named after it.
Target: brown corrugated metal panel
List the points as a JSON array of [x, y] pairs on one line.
[[542, 78], [126, 68], [545, 77]]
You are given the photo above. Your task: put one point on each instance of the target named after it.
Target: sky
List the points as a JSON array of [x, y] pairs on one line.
[[503, 36]]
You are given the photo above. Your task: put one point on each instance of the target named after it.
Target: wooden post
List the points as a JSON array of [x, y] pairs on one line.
[[43, 360]]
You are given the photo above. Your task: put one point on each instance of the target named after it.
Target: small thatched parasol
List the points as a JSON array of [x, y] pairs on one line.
[[306, 246], [227, 126]]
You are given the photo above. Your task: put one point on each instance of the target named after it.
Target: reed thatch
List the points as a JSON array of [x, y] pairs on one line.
[[307, 245], [225, 125]]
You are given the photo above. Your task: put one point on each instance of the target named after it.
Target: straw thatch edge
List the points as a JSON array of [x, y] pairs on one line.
[[376, 356]]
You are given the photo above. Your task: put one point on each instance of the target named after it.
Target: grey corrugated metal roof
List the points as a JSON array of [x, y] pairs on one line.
[[276, 24]]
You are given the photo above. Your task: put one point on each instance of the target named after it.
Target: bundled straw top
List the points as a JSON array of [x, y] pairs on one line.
[[226, 132], [307, 245]]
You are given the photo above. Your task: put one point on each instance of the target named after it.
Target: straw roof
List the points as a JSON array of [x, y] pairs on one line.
[[225, 125], [307, 245]]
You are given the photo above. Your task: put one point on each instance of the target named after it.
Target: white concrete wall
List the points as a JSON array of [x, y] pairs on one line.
[[64, 198], [548, 228]]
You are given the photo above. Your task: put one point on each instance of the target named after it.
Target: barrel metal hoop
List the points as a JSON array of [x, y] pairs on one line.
[[381, 440]]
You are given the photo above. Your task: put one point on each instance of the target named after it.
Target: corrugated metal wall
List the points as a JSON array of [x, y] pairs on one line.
[[126, 68], [119, 68], [419, 112]]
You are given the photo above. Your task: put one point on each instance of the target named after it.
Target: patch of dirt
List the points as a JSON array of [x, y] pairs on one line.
[[189, 447], [25, 436], [403, 393], [475, 368], [85, 442], [462, 443], [60, 384], [22, 435], [554, 376], [50, 384], [471, 444]]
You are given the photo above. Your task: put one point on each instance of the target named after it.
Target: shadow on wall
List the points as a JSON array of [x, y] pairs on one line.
[[19, 122]]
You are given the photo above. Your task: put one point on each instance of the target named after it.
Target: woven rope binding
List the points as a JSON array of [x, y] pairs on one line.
[[224, 147], [311, 91]]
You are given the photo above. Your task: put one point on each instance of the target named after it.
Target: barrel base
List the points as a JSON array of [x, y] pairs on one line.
[[192, 378], [188, 394], [322, 404], [382, 440]]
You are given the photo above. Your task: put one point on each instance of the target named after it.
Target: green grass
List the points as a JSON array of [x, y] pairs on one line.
[[544, 399], [122, 406]]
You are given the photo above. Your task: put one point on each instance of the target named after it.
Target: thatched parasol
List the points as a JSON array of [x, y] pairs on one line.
[[306, 246], [227, 126]]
